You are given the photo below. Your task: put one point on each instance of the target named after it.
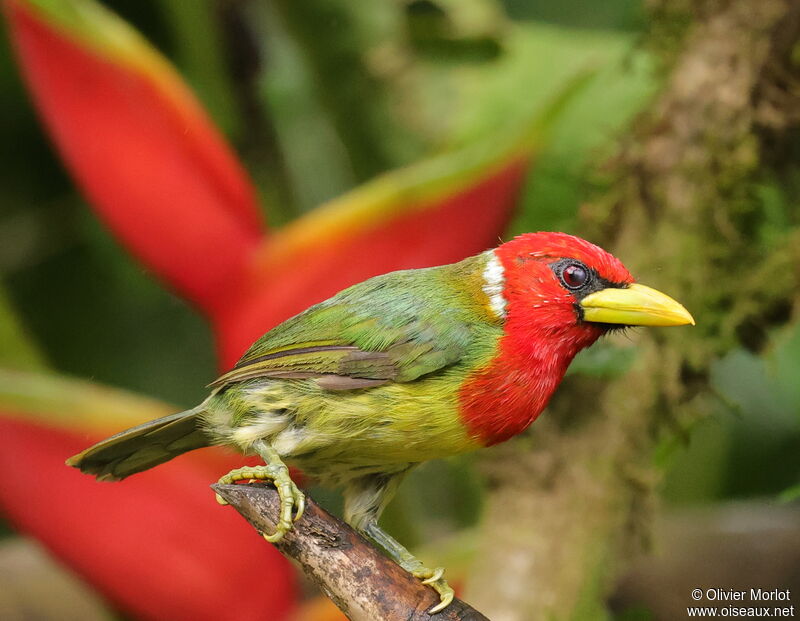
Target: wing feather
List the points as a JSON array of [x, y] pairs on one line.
[[379, 331]]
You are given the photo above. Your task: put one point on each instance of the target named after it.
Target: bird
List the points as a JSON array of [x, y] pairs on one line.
[[399, 369]]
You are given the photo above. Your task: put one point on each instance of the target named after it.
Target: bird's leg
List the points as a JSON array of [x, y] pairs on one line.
[[365, 498], [399, 554], [292, 499]]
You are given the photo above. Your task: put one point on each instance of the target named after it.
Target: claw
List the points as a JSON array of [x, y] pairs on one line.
[[435, 579], [437, 574], [300, 504], [274, 537], [292, 499], [446, 598]]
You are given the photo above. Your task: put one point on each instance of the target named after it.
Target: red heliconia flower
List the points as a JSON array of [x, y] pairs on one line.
[[158, 173], [138, 143], [154, 544]]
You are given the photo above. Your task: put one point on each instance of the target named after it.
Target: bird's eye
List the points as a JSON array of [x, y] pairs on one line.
[[575, 276]]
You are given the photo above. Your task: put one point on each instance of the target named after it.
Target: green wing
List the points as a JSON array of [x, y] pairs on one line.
[[392, 328]]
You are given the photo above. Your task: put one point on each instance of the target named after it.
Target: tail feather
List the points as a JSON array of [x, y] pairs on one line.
[[142, 447]]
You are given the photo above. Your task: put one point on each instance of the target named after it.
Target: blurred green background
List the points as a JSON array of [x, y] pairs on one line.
[[115, 324], [264, 71]]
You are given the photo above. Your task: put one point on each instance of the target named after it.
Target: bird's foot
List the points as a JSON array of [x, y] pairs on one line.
[[414, 566], [435, 578], [292, 499]]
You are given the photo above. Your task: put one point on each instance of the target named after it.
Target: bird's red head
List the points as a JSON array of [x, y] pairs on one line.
[[547, 276], [555, 294]]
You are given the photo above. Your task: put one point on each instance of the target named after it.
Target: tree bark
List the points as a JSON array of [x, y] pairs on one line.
[[573, 496], [363, 583]]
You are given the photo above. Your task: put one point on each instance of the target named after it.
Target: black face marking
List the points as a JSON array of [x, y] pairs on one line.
[[581, 280]]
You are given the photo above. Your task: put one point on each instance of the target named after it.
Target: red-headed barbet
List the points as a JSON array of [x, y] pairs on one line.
[[400, 369]]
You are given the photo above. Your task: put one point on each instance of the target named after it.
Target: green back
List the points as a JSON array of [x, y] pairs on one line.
[[395, 327]]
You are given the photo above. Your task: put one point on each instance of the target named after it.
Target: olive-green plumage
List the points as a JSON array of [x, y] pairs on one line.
[[372, 351], [357, 388]]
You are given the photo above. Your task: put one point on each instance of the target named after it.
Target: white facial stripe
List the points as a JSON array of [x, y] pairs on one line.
[[494, 282]]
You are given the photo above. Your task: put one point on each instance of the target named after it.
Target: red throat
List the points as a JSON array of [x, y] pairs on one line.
[[543, 332], [501, 400]]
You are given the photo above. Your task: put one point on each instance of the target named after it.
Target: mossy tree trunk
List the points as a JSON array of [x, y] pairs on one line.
[[685, 210]]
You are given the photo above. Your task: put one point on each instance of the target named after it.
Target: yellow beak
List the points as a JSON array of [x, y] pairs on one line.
[[635, 305]]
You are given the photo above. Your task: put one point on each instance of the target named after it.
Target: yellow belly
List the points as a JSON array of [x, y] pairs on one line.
[[337, 435]]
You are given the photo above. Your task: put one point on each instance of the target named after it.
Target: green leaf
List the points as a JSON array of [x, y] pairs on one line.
[[539, 60], [783, 365], [791, 494], [17, 351], [74, 405]]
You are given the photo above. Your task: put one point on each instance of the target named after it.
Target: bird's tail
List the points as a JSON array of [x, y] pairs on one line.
[[143, 446]]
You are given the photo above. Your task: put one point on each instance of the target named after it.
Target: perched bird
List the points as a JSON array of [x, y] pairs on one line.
[[400, 369]]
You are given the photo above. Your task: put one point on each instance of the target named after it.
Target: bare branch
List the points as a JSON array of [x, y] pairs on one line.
[[360, 580]]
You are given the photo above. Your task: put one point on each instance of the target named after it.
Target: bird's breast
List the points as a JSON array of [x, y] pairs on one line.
[[502, 399]]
